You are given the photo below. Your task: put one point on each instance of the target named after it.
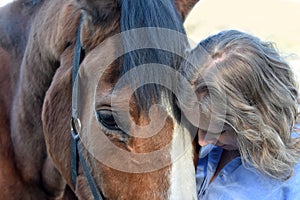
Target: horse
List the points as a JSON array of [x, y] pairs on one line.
[[37, 42]]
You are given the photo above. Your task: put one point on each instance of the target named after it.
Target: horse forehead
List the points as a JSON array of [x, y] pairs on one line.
[[121, 99], [119, 94]]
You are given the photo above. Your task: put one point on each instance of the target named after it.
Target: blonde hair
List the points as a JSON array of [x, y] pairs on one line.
[[260, 93]]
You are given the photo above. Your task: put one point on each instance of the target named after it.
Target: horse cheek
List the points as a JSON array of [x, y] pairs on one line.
[[55, 117]]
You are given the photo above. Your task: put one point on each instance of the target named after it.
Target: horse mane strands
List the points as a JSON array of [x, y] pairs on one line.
[[30, 3], [153, 15]]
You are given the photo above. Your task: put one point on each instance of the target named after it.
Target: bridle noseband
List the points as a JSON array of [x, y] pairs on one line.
[[76, 146]]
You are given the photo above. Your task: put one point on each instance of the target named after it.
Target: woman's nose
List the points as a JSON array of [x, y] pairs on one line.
[[205, 138]]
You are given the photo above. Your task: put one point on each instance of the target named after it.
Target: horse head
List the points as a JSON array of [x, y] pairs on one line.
[[132, 134]]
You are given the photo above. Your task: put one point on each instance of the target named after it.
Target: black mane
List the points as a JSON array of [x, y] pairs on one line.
[[155, 14]]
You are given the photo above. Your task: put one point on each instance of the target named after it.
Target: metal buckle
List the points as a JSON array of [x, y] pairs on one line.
[[75, 125]]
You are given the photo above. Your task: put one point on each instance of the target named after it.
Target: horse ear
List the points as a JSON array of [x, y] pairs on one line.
[[99, 10], [185, 6]]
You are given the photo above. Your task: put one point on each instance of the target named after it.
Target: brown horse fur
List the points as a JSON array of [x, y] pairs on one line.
[[36, 51]]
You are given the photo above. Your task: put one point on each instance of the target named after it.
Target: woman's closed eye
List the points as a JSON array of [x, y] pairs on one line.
[[216, 133], [212, 133]]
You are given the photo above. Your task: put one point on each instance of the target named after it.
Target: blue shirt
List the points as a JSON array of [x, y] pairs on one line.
[[238, 182]]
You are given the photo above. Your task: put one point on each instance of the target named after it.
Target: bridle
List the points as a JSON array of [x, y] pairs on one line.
[[76, 146]]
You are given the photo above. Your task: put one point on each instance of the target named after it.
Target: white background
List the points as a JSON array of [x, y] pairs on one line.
[[3, 2]]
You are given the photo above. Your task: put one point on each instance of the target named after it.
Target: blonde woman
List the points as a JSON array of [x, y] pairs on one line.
[[247, 99]]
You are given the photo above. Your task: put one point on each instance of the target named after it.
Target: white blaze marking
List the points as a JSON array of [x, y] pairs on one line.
[[183, 179]]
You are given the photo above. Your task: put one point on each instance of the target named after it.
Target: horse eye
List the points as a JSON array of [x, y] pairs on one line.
[[106, 118]]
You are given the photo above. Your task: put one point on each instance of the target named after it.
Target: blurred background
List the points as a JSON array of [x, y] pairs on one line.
[[277, 21]]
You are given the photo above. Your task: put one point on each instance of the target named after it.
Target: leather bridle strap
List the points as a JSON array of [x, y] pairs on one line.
[[76, 147]]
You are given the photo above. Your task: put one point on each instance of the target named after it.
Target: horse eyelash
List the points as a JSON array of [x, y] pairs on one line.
[[122, 136], [107, 131]]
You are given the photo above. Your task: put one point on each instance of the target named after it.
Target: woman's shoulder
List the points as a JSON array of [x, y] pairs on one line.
[[292, 185], [247, 183]]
